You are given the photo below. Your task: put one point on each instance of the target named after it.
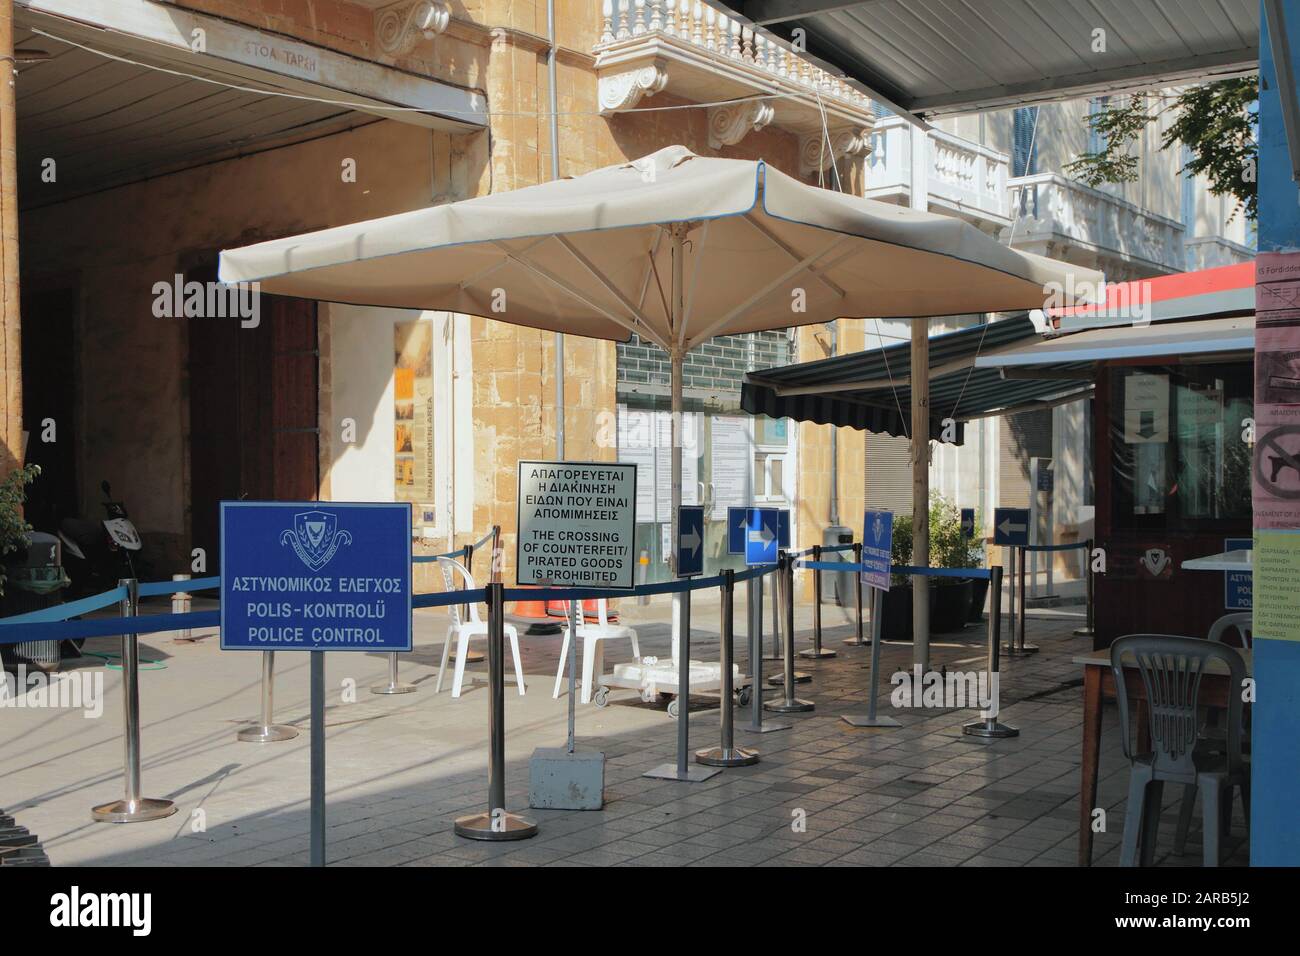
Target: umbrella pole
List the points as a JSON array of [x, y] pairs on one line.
[[920, 386], [678, 356]]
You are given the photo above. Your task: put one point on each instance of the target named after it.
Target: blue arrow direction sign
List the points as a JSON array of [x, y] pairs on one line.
[[690, 541], [761, 541], [968, 522], [783, 527], [1010, 526], [877, 544], [1237, 592], [315, 576], [736, 524]]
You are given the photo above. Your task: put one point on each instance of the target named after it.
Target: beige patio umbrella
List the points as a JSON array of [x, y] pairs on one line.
[[675, 247]]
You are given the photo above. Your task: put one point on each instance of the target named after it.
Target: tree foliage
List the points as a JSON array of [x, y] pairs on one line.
[[1216, 121]]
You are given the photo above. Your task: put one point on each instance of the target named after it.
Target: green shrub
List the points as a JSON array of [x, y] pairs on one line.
[[14, 530]]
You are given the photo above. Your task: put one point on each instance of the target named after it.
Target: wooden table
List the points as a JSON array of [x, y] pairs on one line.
[[1099, 683]]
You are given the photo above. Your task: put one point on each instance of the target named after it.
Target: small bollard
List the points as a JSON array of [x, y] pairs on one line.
[[682, 769], [728, 754], [817, 651], [134, 808], [267, 731], [394, 686], [989, 726], [643, 575], [757, 725], [789, 704], [496, 824], [1087, 629], [182, 602], [857, 639]]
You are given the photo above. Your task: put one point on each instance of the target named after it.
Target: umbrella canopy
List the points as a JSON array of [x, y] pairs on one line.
[[593, 256]]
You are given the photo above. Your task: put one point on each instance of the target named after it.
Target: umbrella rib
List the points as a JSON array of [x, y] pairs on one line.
[[772, 238], [488, 270], [649, 269], [603, 280], [767, 290], [543, 273]]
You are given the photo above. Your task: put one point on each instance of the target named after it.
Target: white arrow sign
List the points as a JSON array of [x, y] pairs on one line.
[[691, 542], [1006, 527], [763, 534]]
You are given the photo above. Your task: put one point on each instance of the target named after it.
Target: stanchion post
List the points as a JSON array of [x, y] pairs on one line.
[[817, 651], [776, 619], [1088, 629], [267, 731], [1011, 593], [728, 754], [496, 824], [682, 770], [134, 808], [789, 704], [783, 605], [871, 720], [1020, 645], [757, 725], [857, 639], [394, 685], [317, 785], [989, 726]]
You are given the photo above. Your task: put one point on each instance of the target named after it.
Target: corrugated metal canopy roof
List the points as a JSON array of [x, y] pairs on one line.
[[1162, 339], [931, 57], [869, 390]]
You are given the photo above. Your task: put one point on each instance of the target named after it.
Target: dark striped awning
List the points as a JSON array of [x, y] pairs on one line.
[[870, 389]]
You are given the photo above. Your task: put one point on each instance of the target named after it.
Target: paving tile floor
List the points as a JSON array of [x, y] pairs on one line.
[[402, 768]]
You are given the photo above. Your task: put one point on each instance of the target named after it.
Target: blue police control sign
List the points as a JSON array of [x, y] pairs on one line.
[[1010, 526], [761, 541], [1238, 593], [877, 544], [311, 576], [690, 540]]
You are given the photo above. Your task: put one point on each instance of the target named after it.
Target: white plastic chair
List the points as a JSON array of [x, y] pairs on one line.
[[464, 630], [593, 656]]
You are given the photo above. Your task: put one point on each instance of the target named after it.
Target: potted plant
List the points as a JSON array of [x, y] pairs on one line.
[[14, 529], [950, 598]]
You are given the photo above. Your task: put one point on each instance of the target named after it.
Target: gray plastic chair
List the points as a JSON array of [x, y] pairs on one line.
[[1242, 622], [1171, 668]]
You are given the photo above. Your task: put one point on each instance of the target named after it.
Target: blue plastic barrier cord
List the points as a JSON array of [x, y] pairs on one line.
[[983, 573], [1053, 547], [61, 612], [155, 588], [107, 626], [53, 624], [430, 558]]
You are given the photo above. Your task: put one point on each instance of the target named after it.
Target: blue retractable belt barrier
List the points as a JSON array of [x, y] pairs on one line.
[[447, 598], [106, 626], [902, 569], [430, 558], [155, 588], [61, 612], [1053, 547]]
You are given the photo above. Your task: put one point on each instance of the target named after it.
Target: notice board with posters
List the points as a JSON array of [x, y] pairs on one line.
[[413, 451], [1276, 471]]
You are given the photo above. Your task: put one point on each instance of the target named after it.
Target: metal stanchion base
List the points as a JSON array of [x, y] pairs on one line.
[[989, 728], [854, 642], [503, 826], [795, 706], [815, 653], [120, 811], [477, 657], [395, 688], [773, 657], [1083, 632], [269, 734], [1027, 649], [778, 680], [669, 771], [855, 720], [726, 757]]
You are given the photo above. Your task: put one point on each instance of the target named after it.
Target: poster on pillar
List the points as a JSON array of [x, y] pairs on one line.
[[1276, 485]]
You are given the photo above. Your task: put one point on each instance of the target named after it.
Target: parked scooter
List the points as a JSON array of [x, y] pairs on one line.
[[98, 555]]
